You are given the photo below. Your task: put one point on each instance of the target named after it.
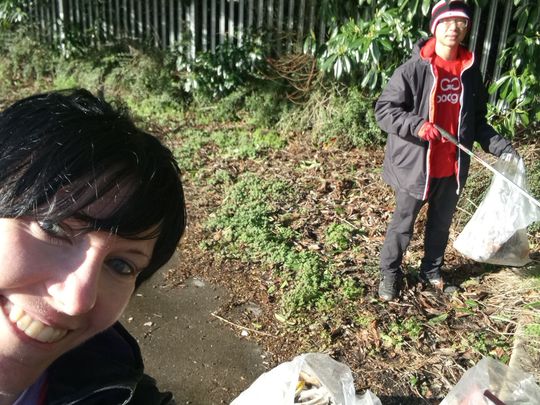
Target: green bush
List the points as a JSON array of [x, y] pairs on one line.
[[25, 60], [368, 51], [70, 73], [517, 108], [217, 74], [351, 120], [341, 115], [265, 107]]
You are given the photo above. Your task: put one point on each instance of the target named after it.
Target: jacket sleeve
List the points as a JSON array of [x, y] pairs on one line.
[[395, 109], [485, 134], [147, 393]]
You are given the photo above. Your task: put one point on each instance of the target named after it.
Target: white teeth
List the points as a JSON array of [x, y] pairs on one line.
[[24, 322], [33, 328], [15, 314]]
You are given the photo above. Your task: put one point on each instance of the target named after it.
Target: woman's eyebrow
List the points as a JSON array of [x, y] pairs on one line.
[[138, 252]]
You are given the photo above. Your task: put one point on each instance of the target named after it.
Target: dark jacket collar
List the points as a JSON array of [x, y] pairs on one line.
[[105, 369]]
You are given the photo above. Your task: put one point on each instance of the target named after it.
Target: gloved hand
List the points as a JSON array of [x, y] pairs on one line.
[[511, 151], [428, 132]]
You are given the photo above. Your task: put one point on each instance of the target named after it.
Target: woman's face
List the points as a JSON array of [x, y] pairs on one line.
[[58, 288]]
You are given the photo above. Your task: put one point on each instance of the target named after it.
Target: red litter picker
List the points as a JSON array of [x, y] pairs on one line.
[[446, 135]]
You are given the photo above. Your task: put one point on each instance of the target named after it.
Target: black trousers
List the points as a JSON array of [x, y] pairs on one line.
[[442, 201]]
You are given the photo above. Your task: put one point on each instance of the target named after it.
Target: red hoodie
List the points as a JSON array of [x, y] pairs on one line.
[[446, 106]]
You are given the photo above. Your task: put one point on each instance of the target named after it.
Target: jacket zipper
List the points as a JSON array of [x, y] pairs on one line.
[[458, 135]]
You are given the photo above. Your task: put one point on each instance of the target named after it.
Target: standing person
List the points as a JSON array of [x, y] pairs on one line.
[[439, 85], [90, 207]]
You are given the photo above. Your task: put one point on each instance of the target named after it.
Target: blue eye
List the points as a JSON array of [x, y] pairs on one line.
[[122, 267], [55, 231]]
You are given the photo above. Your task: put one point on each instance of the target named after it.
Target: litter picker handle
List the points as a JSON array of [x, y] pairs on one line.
[[446, 135]]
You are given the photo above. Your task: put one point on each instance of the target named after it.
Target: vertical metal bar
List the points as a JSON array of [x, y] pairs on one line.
[[52, 23], [91, 23], [279, 28], [47, 19], [192, 27], [104, 25], [322, 31], [31, 17], [132, 19], [204, 27], [44, 29], [488, 37], [97, 23], [172, 36], [213, 26], [290, 24], [301, 19], [140, 24], [504, 37], [61, 26], [222, 21], [250, 14], [181, 24], [163, 18], [502, 44], [312, 16], [111, 19], [270, 16], [473, 36], [230, 25], [240, 29], [38, 21], [148, 24], [260, 14], [155, 32], [126, 18], [117, 19]]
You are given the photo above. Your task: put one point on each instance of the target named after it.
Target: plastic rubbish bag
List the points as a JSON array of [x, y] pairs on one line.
[[491, 382], [497, 232], [308, 379]]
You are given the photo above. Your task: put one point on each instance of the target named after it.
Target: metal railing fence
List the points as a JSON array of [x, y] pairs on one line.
[[200, 25]]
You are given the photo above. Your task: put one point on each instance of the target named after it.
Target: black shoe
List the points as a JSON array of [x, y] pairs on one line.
[[389, 286], [433, 279]]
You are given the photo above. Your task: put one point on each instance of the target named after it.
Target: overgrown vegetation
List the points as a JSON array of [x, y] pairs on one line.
[[253, 225]]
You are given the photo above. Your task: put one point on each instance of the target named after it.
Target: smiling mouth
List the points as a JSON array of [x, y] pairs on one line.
[[33, 328]]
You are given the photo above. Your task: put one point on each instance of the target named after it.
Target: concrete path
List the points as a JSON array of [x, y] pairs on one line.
[[186, 349]]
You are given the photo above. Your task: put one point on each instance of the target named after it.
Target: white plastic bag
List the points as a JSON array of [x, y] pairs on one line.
[[497, 232], [491, 380], [280, 385]]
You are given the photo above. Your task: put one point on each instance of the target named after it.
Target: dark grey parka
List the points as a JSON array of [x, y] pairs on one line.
[[405, 104]]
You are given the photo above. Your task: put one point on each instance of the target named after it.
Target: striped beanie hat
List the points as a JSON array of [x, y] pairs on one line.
[[446, 9]]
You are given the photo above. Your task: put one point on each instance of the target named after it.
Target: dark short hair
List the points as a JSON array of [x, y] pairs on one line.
[[62, 151]]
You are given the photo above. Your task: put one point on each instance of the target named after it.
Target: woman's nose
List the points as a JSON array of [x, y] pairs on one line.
[[75, 291]]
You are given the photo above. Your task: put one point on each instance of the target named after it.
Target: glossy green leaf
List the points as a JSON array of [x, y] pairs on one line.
[[426, 7]]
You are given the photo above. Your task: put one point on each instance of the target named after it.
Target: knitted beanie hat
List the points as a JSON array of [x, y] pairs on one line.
[[446, 9]]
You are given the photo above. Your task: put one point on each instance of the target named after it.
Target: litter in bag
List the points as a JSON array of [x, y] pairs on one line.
[[308, 379], [497, 232], [491, 382]]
